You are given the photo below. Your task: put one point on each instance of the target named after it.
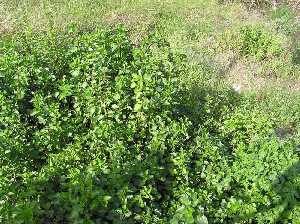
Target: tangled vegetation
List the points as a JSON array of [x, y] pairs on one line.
[[95, 129], [190, 114]]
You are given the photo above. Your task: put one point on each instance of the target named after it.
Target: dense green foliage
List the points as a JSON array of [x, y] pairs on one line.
[[94, 129]]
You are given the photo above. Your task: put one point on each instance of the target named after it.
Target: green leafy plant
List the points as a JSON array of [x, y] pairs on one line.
[[258, 43]]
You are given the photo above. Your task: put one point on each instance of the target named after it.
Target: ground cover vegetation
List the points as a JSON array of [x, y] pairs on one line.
[[188, 112]]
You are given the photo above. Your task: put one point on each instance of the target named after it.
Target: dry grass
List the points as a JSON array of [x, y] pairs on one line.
[[244, 76], [295, 4]]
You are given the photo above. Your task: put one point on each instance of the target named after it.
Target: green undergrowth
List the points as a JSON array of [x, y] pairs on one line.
[[194, 27], [95, 129], [264, 48]]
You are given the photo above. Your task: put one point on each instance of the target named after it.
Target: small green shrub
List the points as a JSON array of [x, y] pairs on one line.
[[256, 42]]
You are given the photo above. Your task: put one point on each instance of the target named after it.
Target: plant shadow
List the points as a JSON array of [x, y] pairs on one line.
[[287, 194], [288, 190], [296, 56]]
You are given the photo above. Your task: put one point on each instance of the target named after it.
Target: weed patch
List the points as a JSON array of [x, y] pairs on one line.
[[258, 43]]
